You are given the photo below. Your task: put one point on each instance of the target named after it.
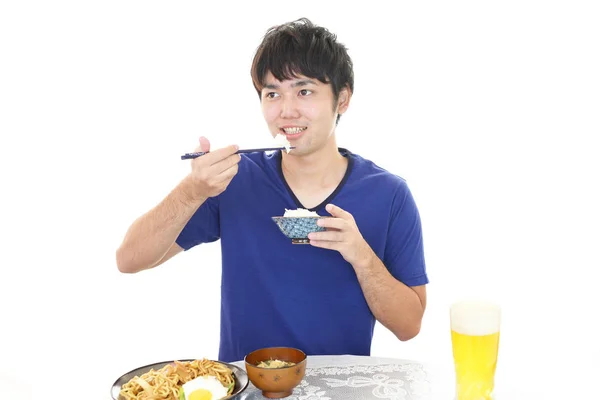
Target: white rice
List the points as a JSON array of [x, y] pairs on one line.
[[281, 141], [300, 212]]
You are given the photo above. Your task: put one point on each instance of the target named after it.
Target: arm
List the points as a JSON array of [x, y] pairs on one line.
[[398, 307], [150, 240]]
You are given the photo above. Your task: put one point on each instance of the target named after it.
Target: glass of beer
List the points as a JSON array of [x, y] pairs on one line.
[[475, 327]]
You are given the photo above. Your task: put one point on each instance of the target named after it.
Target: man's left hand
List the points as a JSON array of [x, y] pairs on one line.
[[342, 235]]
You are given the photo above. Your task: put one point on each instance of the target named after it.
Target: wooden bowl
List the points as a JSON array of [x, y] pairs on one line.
[[276, 383]]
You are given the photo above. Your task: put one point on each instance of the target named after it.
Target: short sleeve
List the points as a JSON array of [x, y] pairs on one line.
[[203, 227], [404, 253]]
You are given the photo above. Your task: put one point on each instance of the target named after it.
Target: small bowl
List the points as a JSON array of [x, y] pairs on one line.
[[276, 383], [298, 228]]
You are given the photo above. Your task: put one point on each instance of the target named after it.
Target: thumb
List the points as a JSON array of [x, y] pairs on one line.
[[338, 212], [204, 144]]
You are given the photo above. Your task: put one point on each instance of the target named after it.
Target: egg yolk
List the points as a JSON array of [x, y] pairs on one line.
[[200, 394]]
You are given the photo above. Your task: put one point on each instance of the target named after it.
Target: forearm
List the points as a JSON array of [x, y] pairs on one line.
[[395, 305], [151, 235]]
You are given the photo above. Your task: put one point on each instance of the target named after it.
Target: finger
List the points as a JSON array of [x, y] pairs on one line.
[[327, 236], [215, 156], [227, 174], [332, 223], [338, 212], [204, 144], [225, 164], [325, 245]]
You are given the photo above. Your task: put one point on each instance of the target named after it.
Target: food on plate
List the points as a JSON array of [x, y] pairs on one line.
[[203, 388], [300, 212], [169, 382], [275, 364], [282, 141]]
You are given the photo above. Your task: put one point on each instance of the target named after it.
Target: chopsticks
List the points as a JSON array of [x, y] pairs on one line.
[[190, 156]]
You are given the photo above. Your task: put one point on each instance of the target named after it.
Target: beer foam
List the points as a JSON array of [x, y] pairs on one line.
[[476, 318]]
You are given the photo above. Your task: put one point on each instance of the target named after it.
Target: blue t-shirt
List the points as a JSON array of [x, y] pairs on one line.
[[275, 293]]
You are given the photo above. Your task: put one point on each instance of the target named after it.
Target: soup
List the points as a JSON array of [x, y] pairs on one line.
[[275, 364]]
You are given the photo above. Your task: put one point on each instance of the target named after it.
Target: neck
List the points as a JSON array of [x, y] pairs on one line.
[[321, 168]]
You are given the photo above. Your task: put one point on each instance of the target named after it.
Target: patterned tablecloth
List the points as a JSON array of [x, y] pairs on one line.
[[354, 378]]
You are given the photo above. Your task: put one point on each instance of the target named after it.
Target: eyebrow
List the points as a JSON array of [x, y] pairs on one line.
[[302, 82]]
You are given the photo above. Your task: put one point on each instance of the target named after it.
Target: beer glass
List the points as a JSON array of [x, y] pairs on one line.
[[475, 330]]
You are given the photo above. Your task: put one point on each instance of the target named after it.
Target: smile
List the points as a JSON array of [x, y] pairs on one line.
[[293, 131]]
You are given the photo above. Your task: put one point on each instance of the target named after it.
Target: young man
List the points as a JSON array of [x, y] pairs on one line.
[[323, 298]]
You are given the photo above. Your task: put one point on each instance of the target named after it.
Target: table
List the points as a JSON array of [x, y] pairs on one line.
[[356, 377]]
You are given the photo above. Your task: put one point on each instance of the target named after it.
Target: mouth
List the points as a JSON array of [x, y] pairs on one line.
[[293, 130]]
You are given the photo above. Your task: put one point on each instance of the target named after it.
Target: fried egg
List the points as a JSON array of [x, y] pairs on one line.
[[204, 388]]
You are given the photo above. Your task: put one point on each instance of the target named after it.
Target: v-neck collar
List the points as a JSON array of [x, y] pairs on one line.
[[344, 152]]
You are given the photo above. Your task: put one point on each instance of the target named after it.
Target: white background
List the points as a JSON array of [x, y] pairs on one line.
[[492, 108]]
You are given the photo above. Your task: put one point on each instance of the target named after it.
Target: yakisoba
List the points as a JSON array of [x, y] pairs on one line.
[[165, 383]]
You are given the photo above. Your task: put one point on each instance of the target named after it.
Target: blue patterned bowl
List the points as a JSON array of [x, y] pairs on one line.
[[298, 228]]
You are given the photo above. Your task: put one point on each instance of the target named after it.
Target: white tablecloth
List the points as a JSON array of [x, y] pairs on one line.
[[356, 377]]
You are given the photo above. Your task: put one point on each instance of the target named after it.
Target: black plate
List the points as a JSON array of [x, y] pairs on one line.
[[239, 375]]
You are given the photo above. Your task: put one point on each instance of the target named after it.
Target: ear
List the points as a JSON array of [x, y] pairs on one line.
[[344, 100]]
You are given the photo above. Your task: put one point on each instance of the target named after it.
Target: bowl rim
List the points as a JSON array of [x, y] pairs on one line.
[[308, 216], [304, 358]]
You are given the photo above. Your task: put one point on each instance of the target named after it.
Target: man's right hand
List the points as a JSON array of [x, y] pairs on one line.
[[151, 239], [212, 172]]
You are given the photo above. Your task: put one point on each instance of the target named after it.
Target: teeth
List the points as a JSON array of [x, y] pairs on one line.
[[292, 131]]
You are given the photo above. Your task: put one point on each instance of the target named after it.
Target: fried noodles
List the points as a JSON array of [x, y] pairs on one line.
[[165, 383]]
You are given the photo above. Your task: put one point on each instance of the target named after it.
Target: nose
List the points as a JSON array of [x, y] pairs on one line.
[[289, 109]]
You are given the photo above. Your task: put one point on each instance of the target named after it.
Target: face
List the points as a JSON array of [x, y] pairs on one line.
[[303, 110]]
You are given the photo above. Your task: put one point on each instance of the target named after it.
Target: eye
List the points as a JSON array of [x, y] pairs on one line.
[[305, 92], [271, 95]]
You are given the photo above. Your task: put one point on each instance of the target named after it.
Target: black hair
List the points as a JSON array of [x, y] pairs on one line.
[[303, 48]]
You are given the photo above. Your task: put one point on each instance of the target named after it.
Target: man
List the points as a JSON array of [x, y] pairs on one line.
[[323, 298]]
